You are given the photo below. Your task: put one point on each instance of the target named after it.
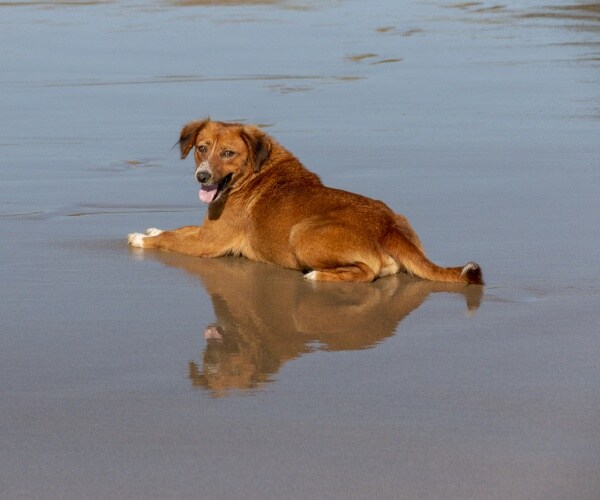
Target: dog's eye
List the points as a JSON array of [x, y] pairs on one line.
[[201, 149], [228, 153]]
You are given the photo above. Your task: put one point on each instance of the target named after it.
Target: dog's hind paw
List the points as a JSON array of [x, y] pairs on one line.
[[312, 276]]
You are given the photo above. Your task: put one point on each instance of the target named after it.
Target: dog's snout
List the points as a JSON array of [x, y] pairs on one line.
[[203, 176]]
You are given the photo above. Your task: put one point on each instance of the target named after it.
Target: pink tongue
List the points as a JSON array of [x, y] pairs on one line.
[[208, 192], [212, 332]]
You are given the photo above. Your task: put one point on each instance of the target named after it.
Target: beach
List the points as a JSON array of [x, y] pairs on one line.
[[133, 374]]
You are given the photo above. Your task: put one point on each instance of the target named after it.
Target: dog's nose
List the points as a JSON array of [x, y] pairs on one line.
[[203, 176]]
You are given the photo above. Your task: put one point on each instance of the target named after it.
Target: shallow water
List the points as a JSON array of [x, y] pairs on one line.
[[478, 121]]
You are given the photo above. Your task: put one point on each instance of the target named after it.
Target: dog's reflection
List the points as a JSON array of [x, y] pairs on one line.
[[267, 315]]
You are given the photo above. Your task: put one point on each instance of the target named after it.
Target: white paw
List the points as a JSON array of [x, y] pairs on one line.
[[312, 276], [152, 231], [136, 240]]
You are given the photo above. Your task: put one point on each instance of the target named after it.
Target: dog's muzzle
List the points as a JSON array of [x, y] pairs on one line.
[[204, 173], [203, 176]]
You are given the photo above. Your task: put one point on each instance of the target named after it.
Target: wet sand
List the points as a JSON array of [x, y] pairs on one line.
[[130, 374]]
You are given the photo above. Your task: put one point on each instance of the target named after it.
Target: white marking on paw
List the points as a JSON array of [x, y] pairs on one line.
[[136, 240], [312, 276], [152, 231]]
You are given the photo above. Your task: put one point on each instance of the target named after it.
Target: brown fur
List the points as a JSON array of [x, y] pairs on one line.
[[274, 210]]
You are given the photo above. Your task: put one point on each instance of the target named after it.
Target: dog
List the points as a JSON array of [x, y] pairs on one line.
[[263, 204]]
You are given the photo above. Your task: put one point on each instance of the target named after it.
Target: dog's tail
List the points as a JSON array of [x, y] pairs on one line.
[[414, 262]]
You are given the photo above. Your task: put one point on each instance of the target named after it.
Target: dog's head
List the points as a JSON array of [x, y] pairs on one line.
[[225, 153]]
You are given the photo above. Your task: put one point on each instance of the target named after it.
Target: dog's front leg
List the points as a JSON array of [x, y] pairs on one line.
[[189, 240], [136, 240]]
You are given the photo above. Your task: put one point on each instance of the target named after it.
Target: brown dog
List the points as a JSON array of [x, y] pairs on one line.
[[264, 205]]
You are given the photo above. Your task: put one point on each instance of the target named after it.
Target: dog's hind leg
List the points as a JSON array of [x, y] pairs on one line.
[[333, 252]]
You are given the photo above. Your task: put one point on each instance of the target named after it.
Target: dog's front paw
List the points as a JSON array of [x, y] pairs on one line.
[[152, 231], [136, 240]]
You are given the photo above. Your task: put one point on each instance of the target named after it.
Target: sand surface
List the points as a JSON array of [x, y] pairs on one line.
[[142, 375]]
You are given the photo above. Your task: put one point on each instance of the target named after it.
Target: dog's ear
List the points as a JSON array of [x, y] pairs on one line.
[[188, 135], [258, 144]]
